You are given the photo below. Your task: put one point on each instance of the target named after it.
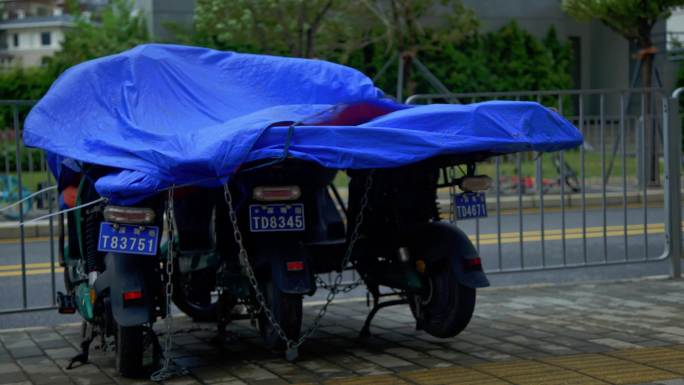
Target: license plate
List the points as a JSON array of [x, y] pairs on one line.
[[470, 205], [276, 217], [129, 239]]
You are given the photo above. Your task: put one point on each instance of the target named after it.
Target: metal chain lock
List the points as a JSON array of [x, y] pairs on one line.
[[169, 368], [292, 351]]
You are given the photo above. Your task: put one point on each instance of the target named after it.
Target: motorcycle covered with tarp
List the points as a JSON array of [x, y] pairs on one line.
[[234, 157]]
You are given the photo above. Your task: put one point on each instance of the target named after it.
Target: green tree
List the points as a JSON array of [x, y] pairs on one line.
[[634, 20], [362, 33], [285, 27], [424, 27], [510, 59], [21, 84], [118, 28]]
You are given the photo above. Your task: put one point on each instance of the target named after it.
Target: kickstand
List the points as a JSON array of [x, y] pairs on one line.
[[365, 331], [82, 357], [224, 307]]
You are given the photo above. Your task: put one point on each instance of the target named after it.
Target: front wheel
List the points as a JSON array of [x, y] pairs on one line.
[[286, 310], [444, 307], [192, 293]]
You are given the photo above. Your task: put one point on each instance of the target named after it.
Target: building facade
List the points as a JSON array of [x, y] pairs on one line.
[[30, 31]]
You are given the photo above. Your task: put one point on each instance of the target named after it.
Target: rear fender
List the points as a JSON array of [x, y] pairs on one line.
[[290, 266], [125, 273], [435, 237]]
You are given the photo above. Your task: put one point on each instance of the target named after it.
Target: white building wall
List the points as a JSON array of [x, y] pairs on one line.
[[30, 51]]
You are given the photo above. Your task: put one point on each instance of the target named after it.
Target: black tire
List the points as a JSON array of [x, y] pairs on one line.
[[130, 345], [287, 311], [192, 295], [445, 307]]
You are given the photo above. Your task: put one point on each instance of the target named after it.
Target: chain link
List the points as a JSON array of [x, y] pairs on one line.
[[169, 368], [293, 345]]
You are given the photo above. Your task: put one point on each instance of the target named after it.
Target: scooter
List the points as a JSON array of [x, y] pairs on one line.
[[114, 273], [405, 246], [288, 226]]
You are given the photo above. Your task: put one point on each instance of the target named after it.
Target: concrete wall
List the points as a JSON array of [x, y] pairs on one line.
[[161, 13]]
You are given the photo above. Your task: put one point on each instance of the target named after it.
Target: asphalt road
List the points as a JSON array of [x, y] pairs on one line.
[[610, 245]]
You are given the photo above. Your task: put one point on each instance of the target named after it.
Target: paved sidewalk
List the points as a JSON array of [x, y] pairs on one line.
[[621, 333]]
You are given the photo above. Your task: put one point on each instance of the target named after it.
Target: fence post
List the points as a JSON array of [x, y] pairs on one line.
[[672, 143]]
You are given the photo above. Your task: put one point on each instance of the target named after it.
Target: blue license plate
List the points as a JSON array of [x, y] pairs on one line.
[[129, 239], [276, 217], [470, 205]]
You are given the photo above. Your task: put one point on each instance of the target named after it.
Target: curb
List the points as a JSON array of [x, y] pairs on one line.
[[40, 229]]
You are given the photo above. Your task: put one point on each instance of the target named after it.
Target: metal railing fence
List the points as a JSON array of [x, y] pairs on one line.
[[25, 170], [616, 203], [538, 220]]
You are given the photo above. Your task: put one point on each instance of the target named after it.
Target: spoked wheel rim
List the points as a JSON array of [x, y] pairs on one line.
[[201, 305], [428, 294]]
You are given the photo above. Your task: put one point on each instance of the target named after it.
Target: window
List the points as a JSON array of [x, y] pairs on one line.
[[45, 38], [15, 40]]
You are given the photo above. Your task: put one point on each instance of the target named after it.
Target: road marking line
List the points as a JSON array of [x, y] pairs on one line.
[[485, 239], [575, 230], [28, 266], [26, 240], [568, 236], [28, 272]]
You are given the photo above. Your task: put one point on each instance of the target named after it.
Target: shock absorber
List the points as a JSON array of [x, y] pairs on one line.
[[435, 207], [90, 242]]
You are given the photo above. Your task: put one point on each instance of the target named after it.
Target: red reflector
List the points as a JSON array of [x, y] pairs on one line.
[[132, 295], [277, 193], [472, 262], [295, 266]]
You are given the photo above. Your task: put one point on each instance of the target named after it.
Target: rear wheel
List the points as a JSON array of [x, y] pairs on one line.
[[444, 307], [286, 310], [130, 346]]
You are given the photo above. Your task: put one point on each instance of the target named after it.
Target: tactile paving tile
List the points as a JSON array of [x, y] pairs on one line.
[[455, 375], [367, 380], [611, 369], [535, 373], [662, 358]]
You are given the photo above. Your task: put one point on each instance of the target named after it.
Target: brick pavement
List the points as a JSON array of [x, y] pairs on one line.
[[623, 333]]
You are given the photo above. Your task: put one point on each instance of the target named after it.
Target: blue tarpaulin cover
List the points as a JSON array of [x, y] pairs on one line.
[[164, 115]]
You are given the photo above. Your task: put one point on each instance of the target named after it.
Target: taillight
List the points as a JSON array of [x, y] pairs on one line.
[[475, 183], [129, 215], [277, 193], [474, 264], [132, 295], [295, 266]]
